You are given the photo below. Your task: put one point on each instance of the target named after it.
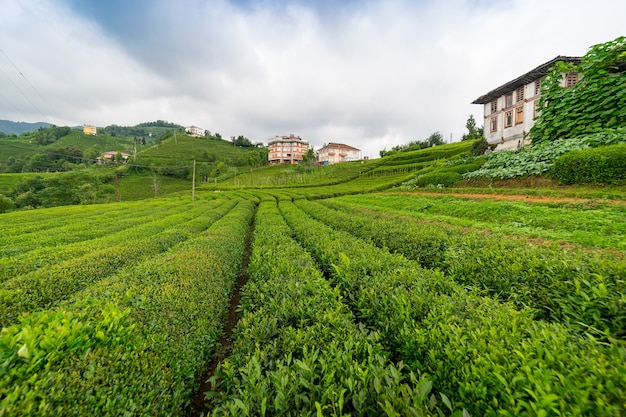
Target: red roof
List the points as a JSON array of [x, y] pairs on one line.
[[340, 146]]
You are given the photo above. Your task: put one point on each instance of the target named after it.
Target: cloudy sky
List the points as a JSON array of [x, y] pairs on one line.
[[368, 73]]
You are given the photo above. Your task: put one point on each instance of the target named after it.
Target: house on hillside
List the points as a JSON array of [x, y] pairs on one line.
[[90, 130], [110, 156], [333, 153], [286, 149], [510, 110], [195, 131]]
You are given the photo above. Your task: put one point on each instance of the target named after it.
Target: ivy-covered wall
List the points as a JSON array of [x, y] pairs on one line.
[[596, 102]]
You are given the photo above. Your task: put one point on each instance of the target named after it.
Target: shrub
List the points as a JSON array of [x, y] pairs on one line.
[[438, 178], [478, 148], [6, 203], [604, 165]]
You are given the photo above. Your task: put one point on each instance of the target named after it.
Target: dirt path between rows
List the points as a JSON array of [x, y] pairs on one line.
[[198, 406], [519, 197]]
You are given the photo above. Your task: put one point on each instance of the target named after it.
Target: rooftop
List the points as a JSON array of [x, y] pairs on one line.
[[529, 77]]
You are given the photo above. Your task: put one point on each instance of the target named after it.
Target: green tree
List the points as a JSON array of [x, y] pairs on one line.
[[596, 102], [92, 153], [27, 199], [435, 139], [472, 131], [254, 159], [309, 158], [220, 168]]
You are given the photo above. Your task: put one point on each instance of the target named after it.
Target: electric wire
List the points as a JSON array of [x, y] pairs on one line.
[[29, 83], [83, 159]]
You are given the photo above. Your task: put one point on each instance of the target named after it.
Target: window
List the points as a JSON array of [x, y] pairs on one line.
[[519, 94], [494, 106], [571, 78], [519, 115], [508, 119], [508, 100], [493, 123], [537, 87], [536, 109]]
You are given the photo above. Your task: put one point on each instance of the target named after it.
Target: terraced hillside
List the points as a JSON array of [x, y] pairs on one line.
[[337, 296]]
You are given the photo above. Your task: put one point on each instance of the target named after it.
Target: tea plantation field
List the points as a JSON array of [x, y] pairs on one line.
[[336, 300]]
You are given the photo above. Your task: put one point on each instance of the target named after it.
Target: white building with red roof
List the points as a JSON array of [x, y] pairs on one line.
[[333, 153]]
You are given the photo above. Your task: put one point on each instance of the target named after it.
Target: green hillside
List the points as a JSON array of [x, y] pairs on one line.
[[16, 147], [313, 289], [184, 148], [105, 143]]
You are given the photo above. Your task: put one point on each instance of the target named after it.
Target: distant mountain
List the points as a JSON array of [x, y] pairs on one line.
[[18, 128]]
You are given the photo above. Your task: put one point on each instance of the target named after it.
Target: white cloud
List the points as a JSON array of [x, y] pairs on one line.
[[372, 74]]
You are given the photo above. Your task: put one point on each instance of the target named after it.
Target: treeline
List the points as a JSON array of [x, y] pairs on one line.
[[76, 187], [433, 140], [53, 160]]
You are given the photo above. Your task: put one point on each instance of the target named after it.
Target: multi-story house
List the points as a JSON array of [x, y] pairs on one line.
[[333, 153], [510, 110], [194, 131], [286, 149], [90, 130]]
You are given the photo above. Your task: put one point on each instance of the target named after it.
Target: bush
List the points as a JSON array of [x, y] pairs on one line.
[[603, 165], [6, 203], [438, 178], [478, 148]]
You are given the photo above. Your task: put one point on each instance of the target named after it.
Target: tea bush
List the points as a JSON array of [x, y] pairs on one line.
[[132, 344], [297, 348], [489, 355]]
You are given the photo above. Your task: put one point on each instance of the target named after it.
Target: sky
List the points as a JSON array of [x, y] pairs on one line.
[[372, 74]]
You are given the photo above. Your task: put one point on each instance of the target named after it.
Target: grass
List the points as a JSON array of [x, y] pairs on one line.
[[590, 224], [138, 187]]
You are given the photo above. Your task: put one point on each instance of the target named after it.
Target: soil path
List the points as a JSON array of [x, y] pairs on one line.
[[198, 408], [520, 197]]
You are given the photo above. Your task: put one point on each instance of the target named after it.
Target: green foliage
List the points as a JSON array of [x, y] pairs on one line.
[[540, 157], [491, 358], [583, 289], [242, 142], [472, 131], [433, 140], [6, 203], [77, 187], [596, 102], [480, 146], [133, 344], [438, 179], [297, 348], [603, 165], [48, 135]]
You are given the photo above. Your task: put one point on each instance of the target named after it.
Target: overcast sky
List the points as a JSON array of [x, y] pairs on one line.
[[371, 74]]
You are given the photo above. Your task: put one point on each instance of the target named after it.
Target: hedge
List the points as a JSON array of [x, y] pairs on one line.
[[603, 165]]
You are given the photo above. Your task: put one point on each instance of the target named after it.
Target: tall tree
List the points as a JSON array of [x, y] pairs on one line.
[[472, 131]]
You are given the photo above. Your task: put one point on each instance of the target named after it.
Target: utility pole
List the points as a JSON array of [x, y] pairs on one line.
[[193, 182], [117, 191]]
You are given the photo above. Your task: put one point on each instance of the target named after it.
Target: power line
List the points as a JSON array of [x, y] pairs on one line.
[[83, 159], [20, 90], [13, 105], [29, 83], [31, 86]]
